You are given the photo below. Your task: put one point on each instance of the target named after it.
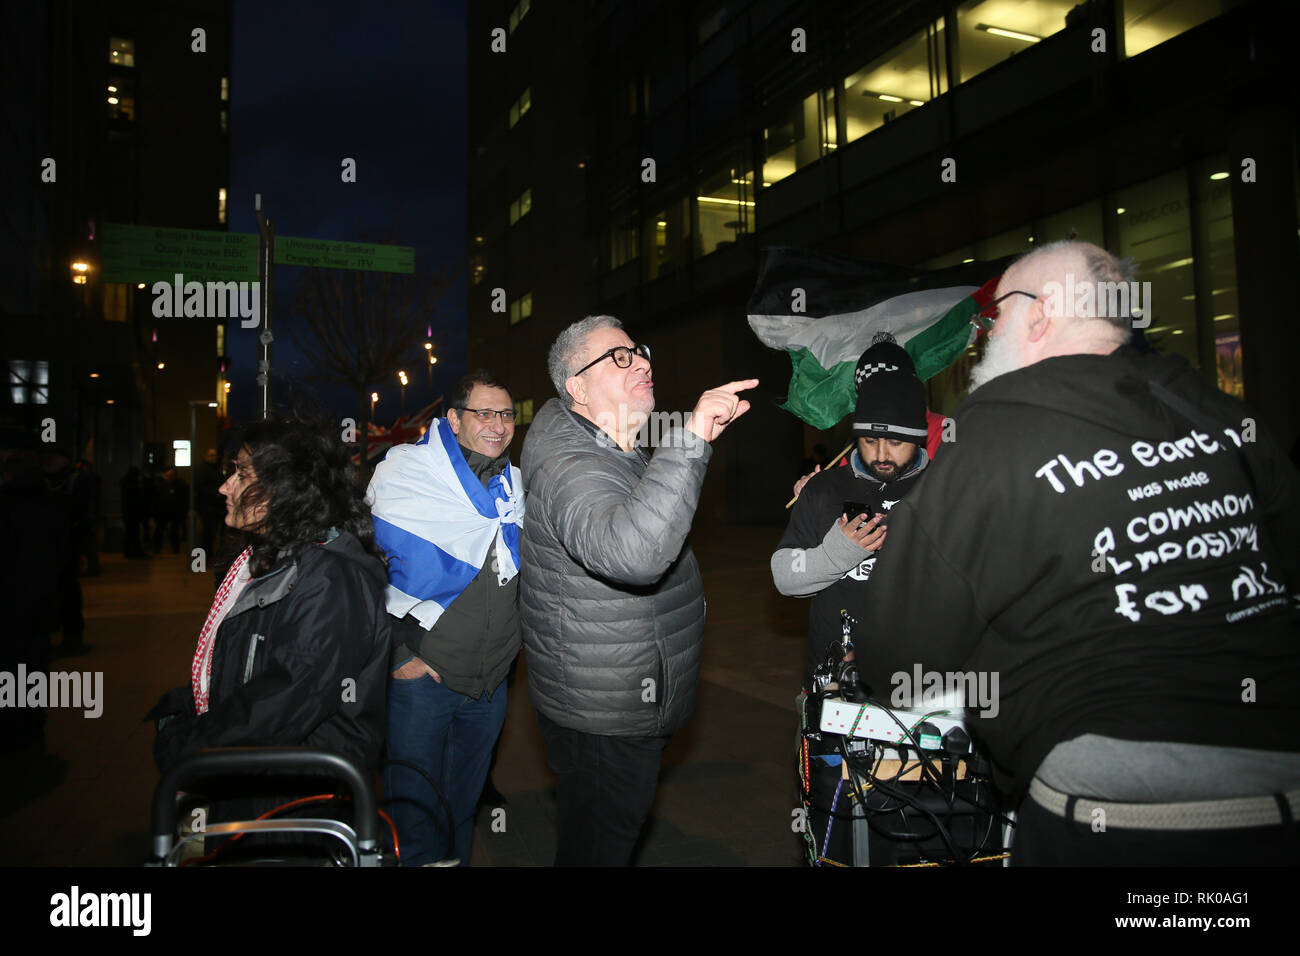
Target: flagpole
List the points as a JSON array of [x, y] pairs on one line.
[[836, 461]]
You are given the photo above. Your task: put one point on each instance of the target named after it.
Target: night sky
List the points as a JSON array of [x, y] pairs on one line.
[[384, 84]]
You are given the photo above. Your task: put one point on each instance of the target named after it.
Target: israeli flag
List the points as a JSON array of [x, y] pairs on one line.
[[438, 523]]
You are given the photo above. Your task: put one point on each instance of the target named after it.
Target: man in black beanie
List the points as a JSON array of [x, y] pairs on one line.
[[827, 554]]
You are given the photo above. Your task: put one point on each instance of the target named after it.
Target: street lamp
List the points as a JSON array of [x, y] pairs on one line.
[[374, 397], [402, 378]]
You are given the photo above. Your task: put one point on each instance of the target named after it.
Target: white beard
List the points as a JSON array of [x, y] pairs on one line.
[[999, 358]]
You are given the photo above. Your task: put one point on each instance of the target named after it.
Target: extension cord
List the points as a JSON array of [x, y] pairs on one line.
[[875, 723]]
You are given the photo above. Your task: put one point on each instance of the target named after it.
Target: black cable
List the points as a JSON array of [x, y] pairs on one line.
[[942, 831], [451, 818]]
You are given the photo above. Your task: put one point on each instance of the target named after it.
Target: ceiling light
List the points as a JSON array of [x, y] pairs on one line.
[[1218, 176], [1120, 211], [1009, 34], [889, 99]]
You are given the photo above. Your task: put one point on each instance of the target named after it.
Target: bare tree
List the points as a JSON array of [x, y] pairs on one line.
[[357, 328]]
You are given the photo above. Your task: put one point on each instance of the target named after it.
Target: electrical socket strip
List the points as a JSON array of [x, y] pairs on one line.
[[839, 716]]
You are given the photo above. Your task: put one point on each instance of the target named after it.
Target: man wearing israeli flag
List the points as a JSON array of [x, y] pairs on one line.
[[447, 512]]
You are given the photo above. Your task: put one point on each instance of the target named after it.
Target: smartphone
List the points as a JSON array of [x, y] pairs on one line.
[[854, 508]]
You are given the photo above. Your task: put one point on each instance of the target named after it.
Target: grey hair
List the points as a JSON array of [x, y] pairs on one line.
[[570, 352]]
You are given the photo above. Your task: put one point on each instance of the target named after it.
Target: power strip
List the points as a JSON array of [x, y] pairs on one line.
[[875, 723]]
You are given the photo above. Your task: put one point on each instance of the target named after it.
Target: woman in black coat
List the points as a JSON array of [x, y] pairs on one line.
[[294, 651]]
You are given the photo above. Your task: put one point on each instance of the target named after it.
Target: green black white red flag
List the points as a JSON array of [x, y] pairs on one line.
[[824, 309]]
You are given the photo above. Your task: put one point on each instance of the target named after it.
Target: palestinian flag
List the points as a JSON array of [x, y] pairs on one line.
[[824, 310]]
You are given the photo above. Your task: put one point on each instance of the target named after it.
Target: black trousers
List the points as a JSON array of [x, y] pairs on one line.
[[606, 788]]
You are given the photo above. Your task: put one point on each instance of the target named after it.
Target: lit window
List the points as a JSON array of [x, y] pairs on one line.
[[524, 411], [478, 269], [521, 106], [724, 209], [225, 88], [117, 301], [1149, 23], [665, 238], [521, 206], [29, 382], [521, 308], [225, 122], [121, 98], [989, 33], [517, 14], [908, 76], [121, 52], [802, 136], [221, 204]]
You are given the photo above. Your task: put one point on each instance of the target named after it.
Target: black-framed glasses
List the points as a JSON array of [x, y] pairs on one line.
[[621, 354], [988, 315], [486, 415]]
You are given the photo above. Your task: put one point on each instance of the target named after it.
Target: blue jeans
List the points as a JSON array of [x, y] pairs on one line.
[[450, 737]]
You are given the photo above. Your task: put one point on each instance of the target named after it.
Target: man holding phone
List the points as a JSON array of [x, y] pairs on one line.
[[839, 522]]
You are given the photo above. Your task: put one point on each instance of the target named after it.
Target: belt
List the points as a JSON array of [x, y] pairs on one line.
[[1238, 812]]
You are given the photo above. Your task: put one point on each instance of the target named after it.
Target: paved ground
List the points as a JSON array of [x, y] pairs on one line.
[[725, 796]]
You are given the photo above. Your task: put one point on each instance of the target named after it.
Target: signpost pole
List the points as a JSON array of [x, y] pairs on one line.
[[265, 274]]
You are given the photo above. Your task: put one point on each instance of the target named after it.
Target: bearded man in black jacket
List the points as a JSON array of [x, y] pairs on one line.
[[1114, 539], [827, 553]]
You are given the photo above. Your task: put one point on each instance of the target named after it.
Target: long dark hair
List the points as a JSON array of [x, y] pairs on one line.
[[309, 485]]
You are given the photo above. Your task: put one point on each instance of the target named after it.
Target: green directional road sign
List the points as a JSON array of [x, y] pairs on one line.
[[325, 254], [158, 254]]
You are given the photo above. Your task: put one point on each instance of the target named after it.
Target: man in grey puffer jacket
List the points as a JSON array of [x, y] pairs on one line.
[[611, 601]]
